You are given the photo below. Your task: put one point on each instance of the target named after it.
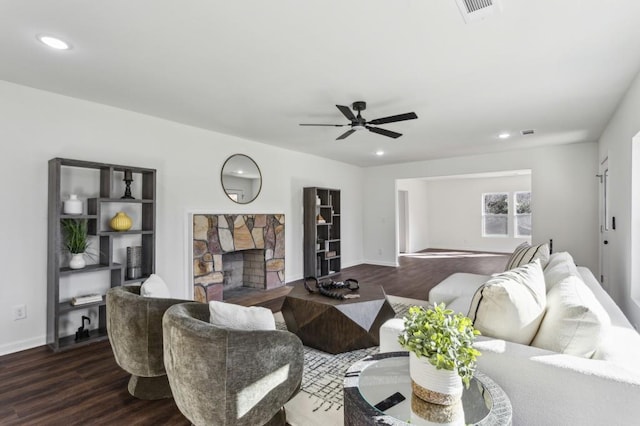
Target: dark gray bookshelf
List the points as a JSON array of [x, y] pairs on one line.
[[322, 245], [94, 215]]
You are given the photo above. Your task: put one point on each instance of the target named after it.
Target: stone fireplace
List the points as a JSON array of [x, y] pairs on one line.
[[231, 251]]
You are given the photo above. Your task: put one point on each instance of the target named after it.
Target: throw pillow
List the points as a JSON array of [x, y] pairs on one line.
[[228, 315], [526, 253], [559, 267], [154, 286], [511, 305], [575, 321]]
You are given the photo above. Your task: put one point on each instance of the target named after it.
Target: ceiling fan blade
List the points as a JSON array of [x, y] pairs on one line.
[[394, 118], [384, 132], [330, 125], [347, 112], [345, 134]]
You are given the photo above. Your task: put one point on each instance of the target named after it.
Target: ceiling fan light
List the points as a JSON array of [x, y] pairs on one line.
[[358, 127], [54, 43]]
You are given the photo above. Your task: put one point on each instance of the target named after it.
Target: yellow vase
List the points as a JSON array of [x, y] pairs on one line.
[[121, 222]]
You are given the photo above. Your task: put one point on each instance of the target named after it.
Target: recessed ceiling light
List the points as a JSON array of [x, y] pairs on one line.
[[379, 152], [504, 135], [54, 43], [240, 172]]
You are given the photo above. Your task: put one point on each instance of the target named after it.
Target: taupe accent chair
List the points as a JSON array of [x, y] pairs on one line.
[[229, 377], [134, 326]]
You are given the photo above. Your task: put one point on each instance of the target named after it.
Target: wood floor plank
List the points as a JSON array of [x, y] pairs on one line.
[[85, 385]]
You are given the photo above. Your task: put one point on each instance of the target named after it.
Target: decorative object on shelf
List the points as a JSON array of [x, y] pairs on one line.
[[77, 261], [128, 178], [318, 202], [320, 219], [75, 241], [442, 355], [121, 222], [241, 178], [134, 262], [88, 298], [83, 333], [72, 205], [330, 253]]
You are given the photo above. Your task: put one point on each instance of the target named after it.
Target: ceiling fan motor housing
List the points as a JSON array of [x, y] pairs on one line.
[[359, 106]]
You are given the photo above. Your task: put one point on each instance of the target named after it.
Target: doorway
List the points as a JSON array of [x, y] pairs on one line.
[[403, 221], [605, 223]]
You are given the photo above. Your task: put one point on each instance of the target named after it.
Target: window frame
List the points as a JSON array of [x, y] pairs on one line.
[[516, 215], [485, 215]]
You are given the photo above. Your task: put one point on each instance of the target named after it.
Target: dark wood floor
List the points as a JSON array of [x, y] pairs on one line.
[[85, 386]]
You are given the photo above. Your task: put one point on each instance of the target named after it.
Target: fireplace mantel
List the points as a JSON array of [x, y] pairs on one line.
[[218, 234]]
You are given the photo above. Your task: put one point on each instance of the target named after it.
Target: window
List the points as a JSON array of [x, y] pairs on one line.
[[495, 214], [522, 219]]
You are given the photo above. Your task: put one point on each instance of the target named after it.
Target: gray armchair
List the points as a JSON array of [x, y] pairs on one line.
[[134, 326], [229, 377]]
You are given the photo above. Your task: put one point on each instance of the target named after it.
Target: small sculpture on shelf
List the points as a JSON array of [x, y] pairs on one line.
[[121, 222], [128, 178], [83, 333]]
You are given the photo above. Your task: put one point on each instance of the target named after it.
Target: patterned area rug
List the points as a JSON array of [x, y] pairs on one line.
[[319, 401]]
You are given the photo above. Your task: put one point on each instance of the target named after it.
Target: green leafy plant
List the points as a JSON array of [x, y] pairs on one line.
[[75, 235], [443, 337]]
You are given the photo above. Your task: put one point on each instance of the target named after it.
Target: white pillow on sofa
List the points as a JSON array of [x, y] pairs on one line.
[[575, 321], [559, 267], [154, 286], [228, 315], [526, 253], [511, 305]]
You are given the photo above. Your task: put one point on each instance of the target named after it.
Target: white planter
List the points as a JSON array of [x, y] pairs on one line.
[[77, 261], [442, 387]]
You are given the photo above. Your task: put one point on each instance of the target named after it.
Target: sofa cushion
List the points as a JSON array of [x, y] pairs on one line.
[[511, 305], [559, 267], [229, 315], [526, 253], [575, 321], [154, 286]]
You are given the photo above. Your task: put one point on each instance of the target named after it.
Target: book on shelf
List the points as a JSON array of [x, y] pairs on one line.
[[87, 298], [330, 253]]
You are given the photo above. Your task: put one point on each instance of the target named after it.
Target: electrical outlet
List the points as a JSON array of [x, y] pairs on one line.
[[19, 312]]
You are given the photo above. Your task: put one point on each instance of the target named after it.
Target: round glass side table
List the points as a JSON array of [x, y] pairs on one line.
[[383, 381]]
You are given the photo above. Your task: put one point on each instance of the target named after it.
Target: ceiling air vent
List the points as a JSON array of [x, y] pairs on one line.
[[474, 10], [527, 132]]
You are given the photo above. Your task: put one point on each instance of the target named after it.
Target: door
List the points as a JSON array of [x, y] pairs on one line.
[[605, 223], [403, 221]]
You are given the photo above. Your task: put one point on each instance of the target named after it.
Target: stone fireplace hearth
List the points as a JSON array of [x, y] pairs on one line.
[[231, 251]]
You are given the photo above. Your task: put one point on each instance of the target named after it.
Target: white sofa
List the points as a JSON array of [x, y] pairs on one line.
[[549, 388]]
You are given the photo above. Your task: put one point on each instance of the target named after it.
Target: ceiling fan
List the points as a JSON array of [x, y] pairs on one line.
[[359, 123]]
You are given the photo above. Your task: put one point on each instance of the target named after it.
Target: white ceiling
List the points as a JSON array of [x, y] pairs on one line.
[[257, 68]]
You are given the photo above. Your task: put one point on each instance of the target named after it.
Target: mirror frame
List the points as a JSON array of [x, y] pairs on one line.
[[228, 191]]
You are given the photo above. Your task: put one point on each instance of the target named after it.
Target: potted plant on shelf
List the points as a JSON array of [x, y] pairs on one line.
[[441, 352], [75, 241]]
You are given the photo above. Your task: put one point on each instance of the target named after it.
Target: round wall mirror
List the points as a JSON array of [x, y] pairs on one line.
[[241, 178]]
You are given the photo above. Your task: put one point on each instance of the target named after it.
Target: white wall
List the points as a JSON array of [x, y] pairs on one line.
[[455, 212], [563, 181], [616, 144], [36, 126], [418, 238]]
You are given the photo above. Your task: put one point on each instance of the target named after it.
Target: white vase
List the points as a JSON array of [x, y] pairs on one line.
[[72, 205], [77, 261], [432, 385]]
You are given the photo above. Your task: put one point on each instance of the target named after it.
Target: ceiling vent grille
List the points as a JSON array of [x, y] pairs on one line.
[[474, 10]]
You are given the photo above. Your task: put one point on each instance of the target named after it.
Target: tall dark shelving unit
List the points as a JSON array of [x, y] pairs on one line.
[[321, 238], [94, 216]]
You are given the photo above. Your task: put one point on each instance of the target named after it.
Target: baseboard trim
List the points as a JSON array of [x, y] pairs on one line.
[[22, 345], [381, 263]]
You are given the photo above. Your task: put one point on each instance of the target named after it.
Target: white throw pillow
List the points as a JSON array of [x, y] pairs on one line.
[[526, 253], [154, 286], [511, 305], [575, 321], [559, 267], [228, 315]]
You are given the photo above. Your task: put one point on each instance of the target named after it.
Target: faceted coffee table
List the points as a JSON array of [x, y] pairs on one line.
[[333, 325], [383, 376]]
